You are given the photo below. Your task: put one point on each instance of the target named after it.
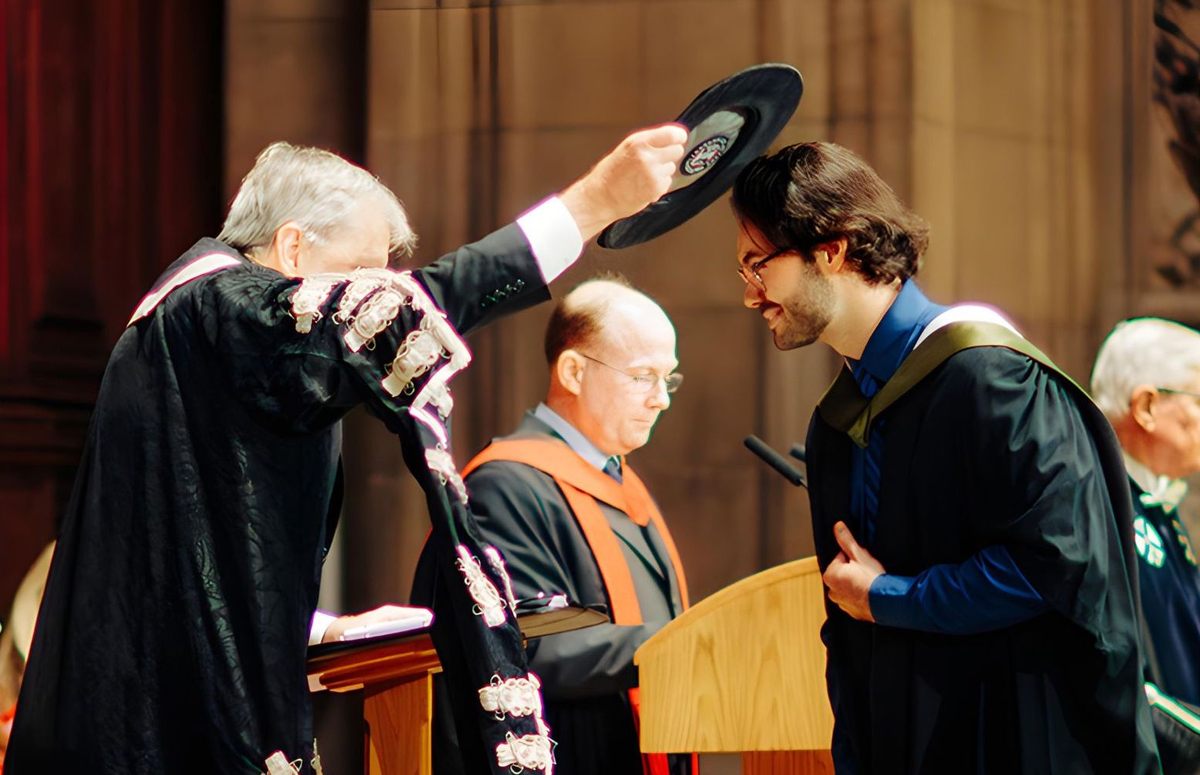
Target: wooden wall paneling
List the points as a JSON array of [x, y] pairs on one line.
[[427, 97], [1152, 193], [21, 23], [851, 88], [53, 343], [185, 166], [1007, 160], [994, 119], [67, 331], [808, 36], [978, 113], [8, 71], [1161, 200], [295, 71], [934, 187], [83, 169], [469, 137], [1116, 200]]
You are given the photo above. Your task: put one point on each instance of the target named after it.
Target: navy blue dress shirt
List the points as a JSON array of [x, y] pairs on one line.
[[988, 590]]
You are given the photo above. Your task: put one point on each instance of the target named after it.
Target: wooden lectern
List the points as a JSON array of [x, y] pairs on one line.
[[744, 671], [395, 674]]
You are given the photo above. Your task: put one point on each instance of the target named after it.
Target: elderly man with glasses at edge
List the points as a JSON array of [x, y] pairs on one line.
[[1146, 380], [571, 516], [970, 509]]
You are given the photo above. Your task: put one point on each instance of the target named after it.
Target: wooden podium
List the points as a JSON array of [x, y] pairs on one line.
[[395, 674], [744, 671]]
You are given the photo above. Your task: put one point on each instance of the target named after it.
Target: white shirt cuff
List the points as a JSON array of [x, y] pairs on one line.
[[553, 236], [320, 624]]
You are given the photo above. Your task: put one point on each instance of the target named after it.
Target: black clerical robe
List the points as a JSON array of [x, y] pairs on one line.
[[585, 674], [172, 636], [991, 448]]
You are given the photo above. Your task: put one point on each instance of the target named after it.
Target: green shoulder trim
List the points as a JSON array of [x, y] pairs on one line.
[[1172, 708], [843, 407]]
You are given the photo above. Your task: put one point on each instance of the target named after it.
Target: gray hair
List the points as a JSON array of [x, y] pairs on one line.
[[316, 189], [1143, 351]]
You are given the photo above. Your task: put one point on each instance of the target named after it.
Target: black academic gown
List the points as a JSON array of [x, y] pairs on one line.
[[990, 449], [172, 637], [585, 674]]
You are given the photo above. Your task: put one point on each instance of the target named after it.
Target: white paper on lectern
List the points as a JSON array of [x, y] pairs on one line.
[[419, 620]]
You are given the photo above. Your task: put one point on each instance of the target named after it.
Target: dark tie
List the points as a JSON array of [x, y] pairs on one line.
[[613, 469]]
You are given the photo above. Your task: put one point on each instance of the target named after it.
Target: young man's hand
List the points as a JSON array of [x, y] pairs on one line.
[[850, 575]]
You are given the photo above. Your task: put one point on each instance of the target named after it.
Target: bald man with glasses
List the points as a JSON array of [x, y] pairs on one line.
[[558, 498]]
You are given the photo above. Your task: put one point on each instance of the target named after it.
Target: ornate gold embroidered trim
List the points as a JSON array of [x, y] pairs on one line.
[[278, 764], [497, 563], [310, 297], [374, 315], [419, 351], [436, 390], [512, 697], [528, 752], [363, 282], [442, 464], [487, 600]]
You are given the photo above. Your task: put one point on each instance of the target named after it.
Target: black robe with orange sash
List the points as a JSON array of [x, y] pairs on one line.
[[586, 675]]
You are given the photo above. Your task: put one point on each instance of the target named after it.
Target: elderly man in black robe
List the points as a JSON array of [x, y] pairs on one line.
[[970, 508], [173, 632]]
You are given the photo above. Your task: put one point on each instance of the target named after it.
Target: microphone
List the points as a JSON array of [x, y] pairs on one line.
[[774, 460]]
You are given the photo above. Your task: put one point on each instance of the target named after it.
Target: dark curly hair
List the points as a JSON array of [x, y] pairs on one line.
[[810, 193]]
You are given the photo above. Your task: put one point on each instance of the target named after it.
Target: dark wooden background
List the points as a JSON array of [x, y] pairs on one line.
[[1010, 125]]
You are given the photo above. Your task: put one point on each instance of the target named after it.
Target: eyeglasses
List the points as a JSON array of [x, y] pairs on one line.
[[1174, 392], [644, 383], [750, 273]]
